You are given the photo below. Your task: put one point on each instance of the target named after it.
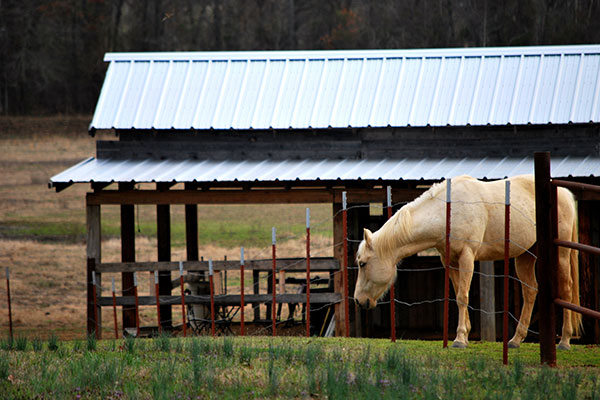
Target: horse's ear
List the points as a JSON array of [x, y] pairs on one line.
[[368, 238]]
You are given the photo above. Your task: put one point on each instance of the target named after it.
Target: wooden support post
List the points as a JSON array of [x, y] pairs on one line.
[[486, 298], [93, 258], [543, 213], [163, 236], [127, 254], [588, 268]]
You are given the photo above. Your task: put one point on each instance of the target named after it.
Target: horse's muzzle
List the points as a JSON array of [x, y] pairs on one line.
[[366, 304]]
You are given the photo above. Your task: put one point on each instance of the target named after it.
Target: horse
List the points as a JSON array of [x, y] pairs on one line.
[[477, 233]]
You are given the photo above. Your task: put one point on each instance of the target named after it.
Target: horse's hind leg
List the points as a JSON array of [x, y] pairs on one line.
[[524, 265], [565, 285]]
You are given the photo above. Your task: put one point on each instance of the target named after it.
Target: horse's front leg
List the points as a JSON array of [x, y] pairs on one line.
[[465, 275]]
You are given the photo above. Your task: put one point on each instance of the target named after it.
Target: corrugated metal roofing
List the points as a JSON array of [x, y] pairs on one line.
[[94, 170], [355, 88]]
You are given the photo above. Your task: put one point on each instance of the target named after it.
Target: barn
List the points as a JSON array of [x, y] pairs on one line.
[[305, 126]]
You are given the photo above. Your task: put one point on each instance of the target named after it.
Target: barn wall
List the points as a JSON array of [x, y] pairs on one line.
[[486, 141]]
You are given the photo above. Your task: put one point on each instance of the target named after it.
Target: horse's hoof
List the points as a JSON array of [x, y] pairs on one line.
[[459, 345], [564, 346], [513, 345]]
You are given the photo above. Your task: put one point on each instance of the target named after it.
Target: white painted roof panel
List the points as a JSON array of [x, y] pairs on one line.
[[353, 88], [94, 170]]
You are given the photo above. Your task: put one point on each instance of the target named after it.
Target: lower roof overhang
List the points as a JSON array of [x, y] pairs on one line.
[[318, 179]]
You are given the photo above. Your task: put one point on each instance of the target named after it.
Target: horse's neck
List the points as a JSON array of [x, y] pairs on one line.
[[406, 234]]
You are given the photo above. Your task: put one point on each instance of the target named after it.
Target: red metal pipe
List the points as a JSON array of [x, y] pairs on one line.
[[242, 300], [447, 261], [345, 274], [212, 297], [10, 324], [307, 272], [577, 246], [96, 328], [274, 283], [506, 254], [393, 287], [575, 185], [582, 310], [137, 305], [157, 301], [114, 298], [182, 299]]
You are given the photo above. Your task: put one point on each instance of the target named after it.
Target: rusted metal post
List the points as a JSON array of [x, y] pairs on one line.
[[307, 272], [212, 296], [137, 305], [274, 285], [156, 292], [10, 324], [95, 295], [345, 277], [506, 254], [543, 216], [114, 298], [393, 287], [447, 259], [242, 300], [182, 299]]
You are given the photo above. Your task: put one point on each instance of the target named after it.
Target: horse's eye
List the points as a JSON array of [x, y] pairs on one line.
[[361, 264]]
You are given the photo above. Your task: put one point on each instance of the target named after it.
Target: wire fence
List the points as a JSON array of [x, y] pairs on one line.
[[225, 316]]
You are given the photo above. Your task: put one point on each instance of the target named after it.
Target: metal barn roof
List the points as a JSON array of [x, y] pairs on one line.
[[94, 170], [357, 88]]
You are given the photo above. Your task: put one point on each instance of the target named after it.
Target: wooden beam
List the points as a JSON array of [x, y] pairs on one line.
[[262, 196], [163, 238], [228, 299], [317, 264], [127, 254], [487, 297]]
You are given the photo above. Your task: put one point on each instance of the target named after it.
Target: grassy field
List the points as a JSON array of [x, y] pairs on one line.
[[259, 367], [42, 233]]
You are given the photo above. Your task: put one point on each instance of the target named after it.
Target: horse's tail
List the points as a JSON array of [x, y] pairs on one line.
[[575, 316]]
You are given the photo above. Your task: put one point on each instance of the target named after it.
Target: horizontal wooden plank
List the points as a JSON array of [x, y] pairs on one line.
[[209, 197], [273, 196], [228, 299], [317, 264]]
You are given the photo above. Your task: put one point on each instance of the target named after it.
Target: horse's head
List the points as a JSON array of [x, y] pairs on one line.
[[375, 275]]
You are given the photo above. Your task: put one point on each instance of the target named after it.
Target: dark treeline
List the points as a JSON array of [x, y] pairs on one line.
[[52, 51]]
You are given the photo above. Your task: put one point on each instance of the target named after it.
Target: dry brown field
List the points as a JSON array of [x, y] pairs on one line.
[[42, 233]]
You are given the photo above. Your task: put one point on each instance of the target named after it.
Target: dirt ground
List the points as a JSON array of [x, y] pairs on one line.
[[47, 270]]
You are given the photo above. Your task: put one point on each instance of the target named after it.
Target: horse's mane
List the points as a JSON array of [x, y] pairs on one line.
[[398, 230]]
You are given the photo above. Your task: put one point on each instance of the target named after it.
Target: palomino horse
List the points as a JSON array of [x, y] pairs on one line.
[[477, 233]]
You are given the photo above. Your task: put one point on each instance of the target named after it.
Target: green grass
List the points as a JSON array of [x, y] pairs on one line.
[[262, 367], [226, 226]]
